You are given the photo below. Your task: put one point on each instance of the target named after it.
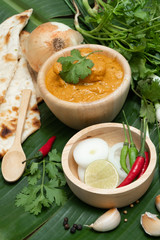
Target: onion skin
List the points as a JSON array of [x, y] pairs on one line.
[[23, 41], [47, 39]]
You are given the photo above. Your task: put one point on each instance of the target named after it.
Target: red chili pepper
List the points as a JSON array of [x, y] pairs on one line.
[[138, 164], [134, 172], [146, 163], [44, 150], [47, 146]]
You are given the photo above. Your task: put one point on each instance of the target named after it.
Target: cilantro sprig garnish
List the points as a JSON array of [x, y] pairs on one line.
[[45, 185], [75, 67]]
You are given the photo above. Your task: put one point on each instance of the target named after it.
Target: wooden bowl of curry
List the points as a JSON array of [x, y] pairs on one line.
[[95, 99], [112, 133]]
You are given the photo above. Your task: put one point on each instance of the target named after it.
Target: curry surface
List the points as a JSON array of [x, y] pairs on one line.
[[106, 77]]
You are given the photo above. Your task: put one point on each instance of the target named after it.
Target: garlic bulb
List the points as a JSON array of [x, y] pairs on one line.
[[47, 39], [157, 202], [150, 224], [106, 222]]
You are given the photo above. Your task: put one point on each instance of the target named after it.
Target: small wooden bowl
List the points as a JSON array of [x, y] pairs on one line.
[[107, 198], [80, 115]]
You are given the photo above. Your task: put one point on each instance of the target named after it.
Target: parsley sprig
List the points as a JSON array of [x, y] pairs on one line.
[[75, 67], [45, 185]]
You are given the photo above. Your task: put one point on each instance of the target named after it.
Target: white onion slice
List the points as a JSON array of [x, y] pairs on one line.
[[114, 158], [90, 150], [81, 173]]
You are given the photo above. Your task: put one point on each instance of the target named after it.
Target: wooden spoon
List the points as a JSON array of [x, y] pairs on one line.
[[12, 166]]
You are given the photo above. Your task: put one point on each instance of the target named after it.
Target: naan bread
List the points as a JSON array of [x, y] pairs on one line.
[[9, 108], [34, 79], [9, 48], [23, 38]]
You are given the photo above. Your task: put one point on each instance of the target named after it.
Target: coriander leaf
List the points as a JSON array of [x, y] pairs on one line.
[[150, 89], [36, 196], [84, 69], [54, 156], [27, 195], [61, 178], [75, 67], [139, 67], [21, 199], [52, 170], [147, 110], [36, 206], [33, 179], [52, 184], [33, 168], [55, 194], [139, 13], [59, 166], [70, 76]]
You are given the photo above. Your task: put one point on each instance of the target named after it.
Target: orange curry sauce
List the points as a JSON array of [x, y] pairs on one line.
[[106, 77]]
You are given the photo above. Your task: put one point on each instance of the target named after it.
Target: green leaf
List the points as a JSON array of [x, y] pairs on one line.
[[139, 67], [35, 206], [27, 196], [33, 179], [147, 110], [75, 67], [61, 179], [55, 194], [139, 13], [150, 89], [54, 156], [52, 170], [34, 168]]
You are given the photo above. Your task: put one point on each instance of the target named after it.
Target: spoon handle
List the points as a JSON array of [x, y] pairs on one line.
[[26, 94]]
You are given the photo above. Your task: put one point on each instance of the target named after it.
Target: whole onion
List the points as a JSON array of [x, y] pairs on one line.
[[47, 39]]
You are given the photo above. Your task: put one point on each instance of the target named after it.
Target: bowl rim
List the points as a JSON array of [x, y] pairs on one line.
[[150, 169], [123, 86]]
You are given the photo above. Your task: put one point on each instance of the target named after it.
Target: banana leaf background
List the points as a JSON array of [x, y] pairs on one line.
[[15, 224]]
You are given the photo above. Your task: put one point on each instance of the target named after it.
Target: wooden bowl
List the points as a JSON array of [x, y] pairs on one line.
[[80, 115], [107, 198]]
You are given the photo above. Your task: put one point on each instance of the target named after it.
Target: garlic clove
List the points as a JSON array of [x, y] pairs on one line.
[[106, 222], [157, 202], [150, 224]]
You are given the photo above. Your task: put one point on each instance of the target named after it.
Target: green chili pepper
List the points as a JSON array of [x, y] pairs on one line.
[[124, 152], [133, 152]]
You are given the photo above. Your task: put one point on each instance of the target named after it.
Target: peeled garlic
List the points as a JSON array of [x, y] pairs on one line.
[[158, 202], [150, 224], [108, 221]]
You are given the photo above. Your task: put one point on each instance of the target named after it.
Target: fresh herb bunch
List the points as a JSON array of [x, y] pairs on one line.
[[75, 67], [131, 27], [45, 185]]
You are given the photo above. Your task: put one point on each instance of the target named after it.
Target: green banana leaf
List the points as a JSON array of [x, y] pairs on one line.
[[15, 224]]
